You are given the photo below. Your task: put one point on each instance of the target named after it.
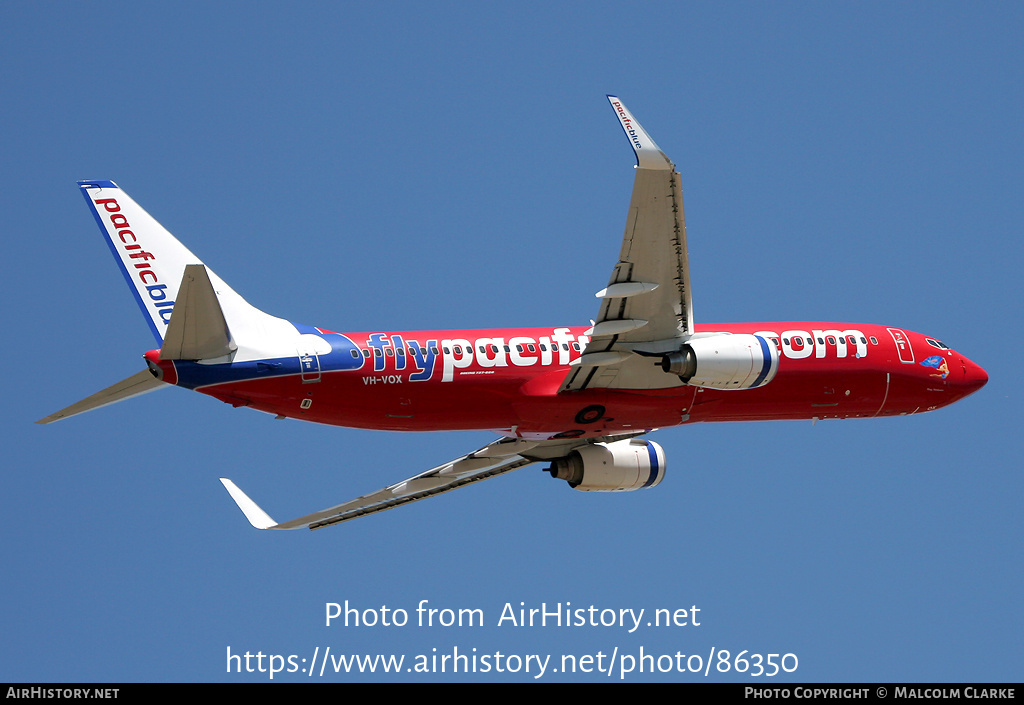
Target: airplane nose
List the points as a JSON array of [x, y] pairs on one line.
[[974, 376]]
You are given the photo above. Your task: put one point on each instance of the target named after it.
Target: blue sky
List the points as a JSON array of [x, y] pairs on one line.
[[441, 165]]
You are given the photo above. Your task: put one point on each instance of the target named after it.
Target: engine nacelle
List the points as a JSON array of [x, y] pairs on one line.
[[739, 361], [619, 466]]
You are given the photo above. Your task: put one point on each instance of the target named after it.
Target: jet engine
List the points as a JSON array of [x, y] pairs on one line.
[[619, 466], [740, 361]]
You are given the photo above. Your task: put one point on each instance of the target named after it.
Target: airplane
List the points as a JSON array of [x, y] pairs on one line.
[[577, 397]]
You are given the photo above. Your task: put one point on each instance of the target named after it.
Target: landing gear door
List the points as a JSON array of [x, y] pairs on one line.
[[310, 348], [902, 341]]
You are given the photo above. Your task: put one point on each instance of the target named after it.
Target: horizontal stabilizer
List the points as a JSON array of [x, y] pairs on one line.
[[137, 384], [197, 329]]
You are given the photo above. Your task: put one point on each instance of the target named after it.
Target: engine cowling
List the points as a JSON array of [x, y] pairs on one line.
[[738, 361], [619, 466]]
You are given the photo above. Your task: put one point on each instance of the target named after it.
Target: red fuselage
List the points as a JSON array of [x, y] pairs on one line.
[[430, 381]]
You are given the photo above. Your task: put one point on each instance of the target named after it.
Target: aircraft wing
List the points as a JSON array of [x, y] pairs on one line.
[[647, 304], [492, 460]]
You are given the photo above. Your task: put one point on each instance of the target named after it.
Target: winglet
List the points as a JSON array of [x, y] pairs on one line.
[[256, 516], [648, 154]]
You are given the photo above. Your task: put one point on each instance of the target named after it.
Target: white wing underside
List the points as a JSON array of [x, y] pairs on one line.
[[647, 305], [492, 460]]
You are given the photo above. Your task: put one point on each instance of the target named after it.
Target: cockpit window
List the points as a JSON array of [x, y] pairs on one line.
[[937, 344]]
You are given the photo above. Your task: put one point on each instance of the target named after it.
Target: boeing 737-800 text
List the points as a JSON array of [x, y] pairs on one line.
[[576, 397]]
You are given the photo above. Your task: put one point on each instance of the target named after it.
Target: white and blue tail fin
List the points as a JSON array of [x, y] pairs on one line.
[[154, 264], [151, 259], [193, 314]]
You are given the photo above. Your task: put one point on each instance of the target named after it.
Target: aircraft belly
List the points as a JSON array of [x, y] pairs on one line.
[[342, 399], [799, 394], [601, 412]]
